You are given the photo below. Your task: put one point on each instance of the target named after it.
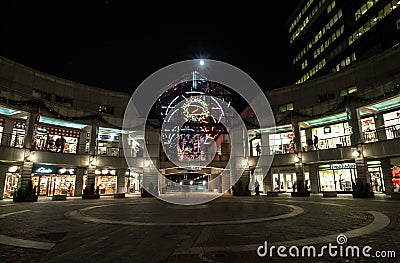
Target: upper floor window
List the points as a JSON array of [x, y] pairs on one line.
[[287, 107], [348, 91], [40, 94], [65, 101], [106, 109]]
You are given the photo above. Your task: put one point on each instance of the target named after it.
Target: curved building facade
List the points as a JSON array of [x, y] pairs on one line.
[[63, 136]]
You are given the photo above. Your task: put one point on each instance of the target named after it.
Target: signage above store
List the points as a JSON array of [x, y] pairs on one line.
[[44, 170], [339, 166]]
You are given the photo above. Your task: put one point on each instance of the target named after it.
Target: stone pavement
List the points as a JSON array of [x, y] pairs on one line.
[[228, 229]]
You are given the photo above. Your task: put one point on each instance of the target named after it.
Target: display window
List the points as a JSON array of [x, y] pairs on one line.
[[11, 181], [50, 139], [368, 129], [105, 180], [332, 136], [108, 144], [18, 135], [337, 177], [2, 121], [376, 176], [282, 142], [392, 124], [396, 178], [285, 179], [132, 182], [54, 181]]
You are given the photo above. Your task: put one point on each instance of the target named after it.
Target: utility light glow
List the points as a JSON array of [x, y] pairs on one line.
[[201, 62]]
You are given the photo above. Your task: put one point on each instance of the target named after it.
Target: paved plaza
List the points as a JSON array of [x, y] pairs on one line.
[[228, 229]]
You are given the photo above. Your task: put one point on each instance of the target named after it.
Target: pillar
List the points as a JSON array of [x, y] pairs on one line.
[[7, 131], [296, 131], [83, 135], [353, 119], [314, 178], [121, 185], [267, 182], [380, 127], [80, 172], [3, 171], [299, 177], [309, 136], [362, 169], [387, 175], [93, 140]]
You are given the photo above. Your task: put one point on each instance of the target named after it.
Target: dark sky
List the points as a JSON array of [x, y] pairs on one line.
[[117, 44]]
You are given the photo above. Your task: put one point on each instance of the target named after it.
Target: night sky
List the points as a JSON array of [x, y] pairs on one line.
[[117, 44]]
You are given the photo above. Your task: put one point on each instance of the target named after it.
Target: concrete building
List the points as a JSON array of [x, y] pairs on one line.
[[355, 113], [328, 35]]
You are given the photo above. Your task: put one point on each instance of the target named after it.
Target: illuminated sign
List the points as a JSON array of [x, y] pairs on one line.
[[44, 170], [339, 166]]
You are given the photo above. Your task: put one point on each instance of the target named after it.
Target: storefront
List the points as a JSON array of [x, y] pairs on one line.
[[2, 122], [18, 134], [132, 181], [47, 137], [392, 124], [105, 180], [331, 136], [376, 176], [54, 180], [337, 177], [108, 143], [284, 178], [396, 178], [281, 143], [368, 129], [11, 181]]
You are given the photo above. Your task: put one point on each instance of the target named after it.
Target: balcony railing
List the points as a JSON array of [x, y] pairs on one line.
[[382, 134]]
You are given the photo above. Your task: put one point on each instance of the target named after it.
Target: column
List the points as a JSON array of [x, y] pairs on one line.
[[91, 176], [299, 177], [3, 171], [267, 182], [380, 127], [309, 136], [83, 135], [296, 131], [7, 131], [93, 140], [387, 175], [80, 172], [314, 178], [353, 119], [362, 169], [121, 180], [29, 128], [151, 163]]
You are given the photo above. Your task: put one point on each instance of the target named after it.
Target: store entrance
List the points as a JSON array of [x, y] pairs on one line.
[[54, 184]]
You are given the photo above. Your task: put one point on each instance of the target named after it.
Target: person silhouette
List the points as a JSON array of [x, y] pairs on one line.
[[316, 142]]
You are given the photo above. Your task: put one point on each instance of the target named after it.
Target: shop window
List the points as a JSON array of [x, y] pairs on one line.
[[65, 101], [287, 107], [348, 91], [326, 97], [40, 94], [106, 109]]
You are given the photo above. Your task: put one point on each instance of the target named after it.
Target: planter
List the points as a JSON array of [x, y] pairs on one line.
[[329, 194], [395, 195], [59, 197], [271, 193], [119, 195], [300, 194], [363, 195]]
